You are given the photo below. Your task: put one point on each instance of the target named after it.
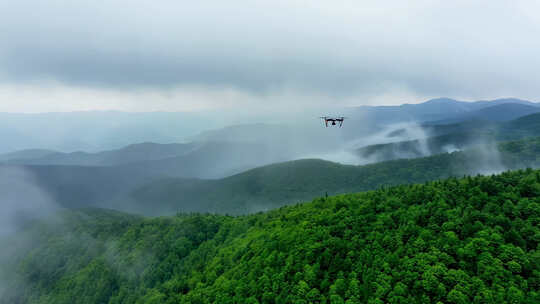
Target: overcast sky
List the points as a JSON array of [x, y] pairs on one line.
[[64, 55]]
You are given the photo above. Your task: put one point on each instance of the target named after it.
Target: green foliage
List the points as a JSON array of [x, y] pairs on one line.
[[469, 240], [525, 126]]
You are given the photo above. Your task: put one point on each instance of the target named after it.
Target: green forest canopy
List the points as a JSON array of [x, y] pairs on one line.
[[469, 240]]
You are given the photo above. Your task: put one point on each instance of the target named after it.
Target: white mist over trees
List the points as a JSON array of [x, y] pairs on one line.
[[21, 199]]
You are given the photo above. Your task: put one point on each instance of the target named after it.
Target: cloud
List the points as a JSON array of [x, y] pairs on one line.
[[21, 199], [351, 50], [54, 96], [58, 97]]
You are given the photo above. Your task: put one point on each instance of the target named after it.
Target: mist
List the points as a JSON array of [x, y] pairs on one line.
[[22, 203], [21, 200], [484, 158], [349, 151]]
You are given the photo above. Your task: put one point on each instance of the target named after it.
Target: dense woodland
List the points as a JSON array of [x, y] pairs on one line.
[[468, 240]]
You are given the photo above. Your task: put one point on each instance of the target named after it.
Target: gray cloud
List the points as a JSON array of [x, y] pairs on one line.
[[464, 49]]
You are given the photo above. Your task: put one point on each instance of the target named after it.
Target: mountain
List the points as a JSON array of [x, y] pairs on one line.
[[420, 147], [245, 132], [478, 122], [129, 154], [214, 160], [500, 112], [94, 131], [79, 186], [212, 156], [76, 185], [453, 137], [286, 139], [469, 240], [26, 155], [453, 108], [521, 127], [364, 121], [441, 109], [504, 112], [137, 189], [273, 186]]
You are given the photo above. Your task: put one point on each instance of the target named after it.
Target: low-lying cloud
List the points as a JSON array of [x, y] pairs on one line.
[[21, 200], [347, 151]]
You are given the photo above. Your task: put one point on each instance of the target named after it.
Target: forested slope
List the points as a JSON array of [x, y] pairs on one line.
[[469, 240], [284, 183], [456, 136]]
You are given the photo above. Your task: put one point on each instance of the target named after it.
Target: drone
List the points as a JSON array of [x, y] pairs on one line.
[[333, 120]]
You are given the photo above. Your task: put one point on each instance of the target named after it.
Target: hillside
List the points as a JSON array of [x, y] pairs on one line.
[[272, 186], [138, 189], [424, 147], [215, 160], [80, 186], [470, 240], [455, 136], [521, 127]]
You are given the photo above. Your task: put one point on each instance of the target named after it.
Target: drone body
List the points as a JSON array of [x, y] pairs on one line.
[[333, 120]]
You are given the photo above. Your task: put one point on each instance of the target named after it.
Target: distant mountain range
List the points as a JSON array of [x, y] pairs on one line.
[[231, 169], [99, 131], [499, 112], [441, 109], [362, 121], [134, 189], [453, 137], [231, 150], [435, 111], [128, 154], [200, 160]]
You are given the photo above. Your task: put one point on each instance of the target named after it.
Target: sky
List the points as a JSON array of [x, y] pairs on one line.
[[62, 55]]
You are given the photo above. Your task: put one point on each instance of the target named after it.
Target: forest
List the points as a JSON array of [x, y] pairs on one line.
[[458, 240]]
